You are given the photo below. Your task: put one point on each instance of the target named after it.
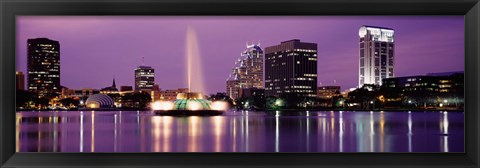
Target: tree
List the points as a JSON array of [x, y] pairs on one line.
[[273, 103], [222, 97], [364, 96], [24, 98], [138, 100], [69, 102], [41, 103]]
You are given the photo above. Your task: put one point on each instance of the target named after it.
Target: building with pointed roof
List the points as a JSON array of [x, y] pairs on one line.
[[247, 72], [111, 89]]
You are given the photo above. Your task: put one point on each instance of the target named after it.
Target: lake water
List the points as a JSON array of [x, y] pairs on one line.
[[240, 131]]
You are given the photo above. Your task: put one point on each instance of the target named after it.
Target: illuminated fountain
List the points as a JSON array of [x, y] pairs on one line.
[[192, 102]]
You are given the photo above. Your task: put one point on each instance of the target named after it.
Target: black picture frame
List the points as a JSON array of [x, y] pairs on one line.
[[11, 8]]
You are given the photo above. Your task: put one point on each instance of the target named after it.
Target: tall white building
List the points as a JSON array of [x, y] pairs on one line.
[[377, 58], [247, 72]]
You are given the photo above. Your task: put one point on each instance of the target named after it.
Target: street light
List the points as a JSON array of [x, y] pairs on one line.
[[278, 102]]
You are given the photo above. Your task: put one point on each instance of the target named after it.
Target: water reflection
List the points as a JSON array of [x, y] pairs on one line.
[[444, 131], [240, 131]]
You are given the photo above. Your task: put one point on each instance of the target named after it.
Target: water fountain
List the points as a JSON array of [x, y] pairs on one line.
[[192, 102]]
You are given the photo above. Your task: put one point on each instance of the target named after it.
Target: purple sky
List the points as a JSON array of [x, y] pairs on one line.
[[94, 49]]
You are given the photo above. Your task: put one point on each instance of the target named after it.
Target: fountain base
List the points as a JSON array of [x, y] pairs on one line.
[[188, 112]]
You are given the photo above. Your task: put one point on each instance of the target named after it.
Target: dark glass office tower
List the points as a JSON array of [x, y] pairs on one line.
[[377, 57], [144, 78], [43, 66], [291, 69]]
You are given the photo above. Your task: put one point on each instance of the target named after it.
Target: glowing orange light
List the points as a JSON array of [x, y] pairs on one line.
[[92, 106]]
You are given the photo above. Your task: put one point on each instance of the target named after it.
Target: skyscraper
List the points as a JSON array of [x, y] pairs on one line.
[[144, 78], [20, 80], [43, 66], [376, 55], [247, 72], [291, 69]]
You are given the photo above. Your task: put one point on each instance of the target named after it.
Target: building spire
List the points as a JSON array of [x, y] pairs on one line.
[[113, 83], [143, 61]]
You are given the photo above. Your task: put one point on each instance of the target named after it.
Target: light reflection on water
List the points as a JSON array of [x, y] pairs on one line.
[[240, 131]]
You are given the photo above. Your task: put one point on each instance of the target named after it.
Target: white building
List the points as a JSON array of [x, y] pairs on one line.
[[377, 58], [247, 72]]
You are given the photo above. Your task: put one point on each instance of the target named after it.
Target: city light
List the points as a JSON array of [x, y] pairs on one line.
[[219, 105], [162, 105], [278, 102], [92, 105]]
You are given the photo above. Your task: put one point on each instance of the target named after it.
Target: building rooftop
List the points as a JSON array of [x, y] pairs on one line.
[[445, 73], [292, 40], [378, 27]]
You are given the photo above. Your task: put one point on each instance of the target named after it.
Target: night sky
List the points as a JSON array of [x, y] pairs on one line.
[[94, 49]]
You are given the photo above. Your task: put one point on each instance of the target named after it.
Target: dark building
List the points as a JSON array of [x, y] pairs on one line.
[[433, 88], [252, 92], [437, 82], [144, 78], [291, 69], [376, 55], [126, 88], [20, 80], [43, 64]]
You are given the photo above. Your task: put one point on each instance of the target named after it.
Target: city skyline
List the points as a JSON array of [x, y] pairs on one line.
[[120, 47]]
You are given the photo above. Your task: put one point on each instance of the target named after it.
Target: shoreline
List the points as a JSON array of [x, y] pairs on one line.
[[280, 110]]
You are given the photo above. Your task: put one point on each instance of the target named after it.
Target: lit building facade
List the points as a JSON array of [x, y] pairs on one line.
[[377, 58], [247, 72], [81, 94], [171, 95], [155, 94], [328, 92], [144, 78], [20, 80], [291, 69], [43, 64]]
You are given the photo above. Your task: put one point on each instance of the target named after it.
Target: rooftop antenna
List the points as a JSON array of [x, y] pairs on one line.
[[143, 61]]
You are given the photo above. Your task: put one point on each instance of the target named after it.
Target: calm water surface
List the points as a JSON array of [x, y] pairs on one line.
[[240, 131]]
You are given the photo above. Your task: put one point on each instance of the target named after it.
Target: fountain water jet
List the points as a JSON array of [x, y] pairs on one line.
[[194, 69], [193, 102]]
